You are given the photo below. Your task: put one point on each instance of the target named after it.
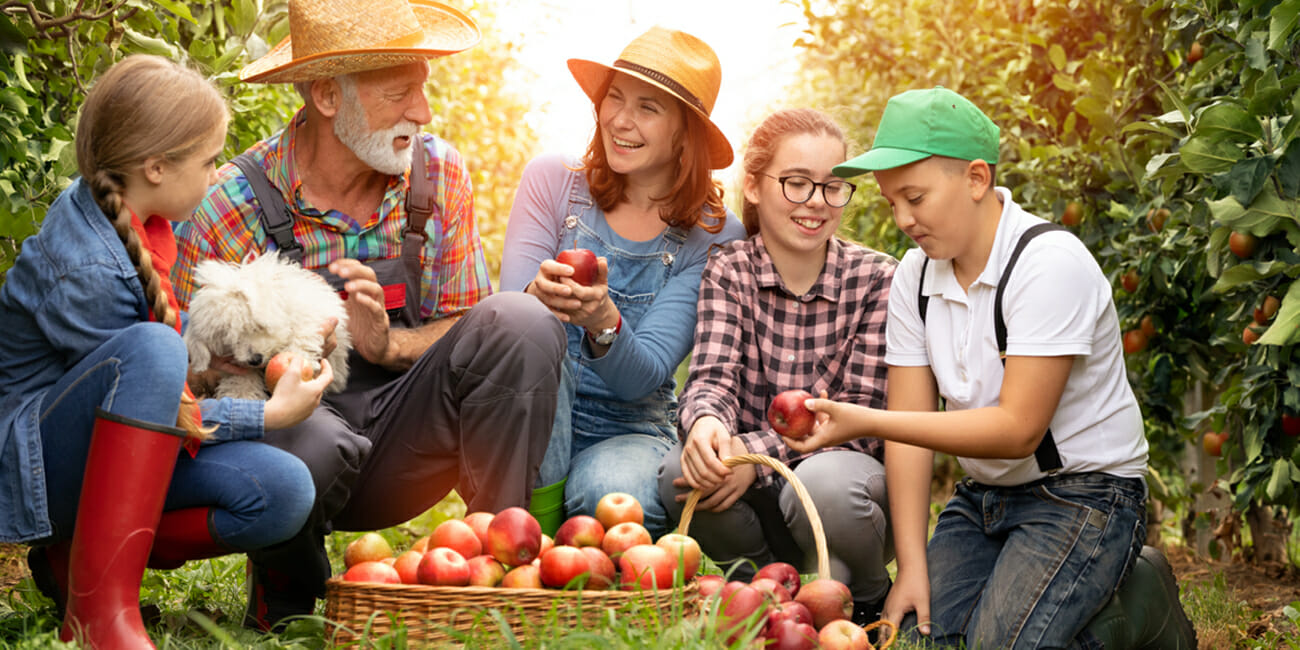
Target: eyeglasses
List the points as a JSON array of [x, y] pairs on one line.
[[799, 189]]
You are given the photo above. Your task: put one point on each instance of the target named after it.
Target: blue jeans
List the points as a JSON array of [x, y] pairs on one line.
[[261, 495], [1028, 566]]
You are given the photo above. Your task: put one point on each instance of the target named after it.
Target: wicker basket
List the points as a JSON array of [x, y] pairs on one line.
[[819, 533]]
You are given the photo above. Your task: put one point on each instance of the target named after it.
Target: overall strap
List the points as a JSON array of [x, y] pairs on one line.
[[274, 214], [421, 205], [1049, 459]]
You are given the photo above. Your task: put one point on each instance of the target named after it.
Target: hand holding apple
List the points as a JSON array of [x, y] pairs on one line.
[[788, 415], [280, 363], [583, 262]]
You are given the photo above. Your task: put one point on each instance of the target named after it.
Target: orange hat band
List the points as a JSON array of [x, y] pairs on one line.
[[668, 82]]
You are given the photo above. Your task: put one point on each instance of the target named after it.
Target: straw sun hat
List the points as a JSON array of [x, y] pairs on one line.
[[328, 38], [674, 61]]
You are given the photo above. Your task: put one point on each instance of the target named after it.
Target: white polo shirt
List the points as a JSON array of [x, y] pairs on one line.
[[1057, 302]]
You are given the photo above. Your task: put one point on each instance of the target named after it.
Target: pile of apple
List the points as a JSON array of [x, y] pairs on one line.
[[508, 549], [792, 615]]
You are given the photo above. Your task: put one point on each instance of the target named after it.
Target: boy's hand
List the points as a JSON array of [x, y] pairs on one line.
[[910, 593], [830, 429]]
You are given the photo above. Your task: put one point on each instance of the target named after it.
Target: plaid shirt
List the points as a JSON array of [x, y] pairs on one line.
[[755, 339], [226, 226]]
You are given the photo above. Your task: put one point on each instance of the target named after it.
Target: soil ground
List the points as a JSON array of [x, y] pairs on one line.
[[1265, 589]]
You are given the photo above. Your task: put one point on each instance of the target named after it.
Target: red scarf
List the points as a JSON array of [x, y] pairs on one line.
[[157, 238]]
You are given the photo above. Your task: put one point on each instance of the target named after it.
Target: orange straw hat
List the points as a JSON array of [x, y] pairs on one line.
[[677, 62], [328, 38]]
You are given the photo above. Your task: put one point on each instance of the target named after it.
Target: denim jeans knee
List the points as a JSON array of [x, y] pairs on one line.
[[1027, 566], [627, 463]]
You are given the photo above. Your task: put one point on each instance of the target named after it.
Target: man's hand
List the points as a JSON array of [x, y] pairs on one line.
[[367, 317], [330, 339], [205, 383]]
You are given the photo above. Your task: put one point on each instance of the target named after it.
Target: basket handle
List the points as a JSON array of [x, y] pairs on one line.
[[819, 534]]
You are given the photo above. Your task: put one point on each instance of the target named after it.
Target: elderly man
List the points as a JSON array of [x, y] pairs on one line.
[[451, 387]]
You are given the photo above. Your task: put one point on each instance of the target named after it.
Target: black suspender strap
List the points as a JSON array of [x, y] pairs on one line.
[[1049, 459], [275, 215], [278, 221]]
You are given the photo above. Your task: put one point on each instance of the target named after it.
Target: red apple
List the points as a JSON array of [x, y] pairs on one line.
[[390, 561], [485, 571], [710, 584], [565, 567], [623, 536], [479, 522], [580, 530], [526, 576], [443, 567], [789, 610], [372, 571], [742, 605], [685, 551], [1290, 424], [646, 567], [791, 635], [583, 262], [514, 537], [772, 588], [784, 573], [788, 415], [408, 567], [827, 599], [603, 573], [547, 544], [617, 507], [279, 364], [458, 536], [842, 634], [370, 547]]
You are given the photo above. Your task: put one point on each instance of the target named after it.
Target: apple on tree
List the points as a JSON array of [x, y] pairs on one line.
[[789, 416], [583, 262]]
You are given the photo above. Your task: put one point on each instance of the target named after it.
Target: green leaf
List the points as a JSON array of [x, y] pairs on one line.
[[1280, 481], [178, 9], [1229, 120], [1267, 214], [1285, 328], [1282, 20], [1247, 178], [1056, 54], [151, 45], [1175, 99], [1246, 273], [1208, 155], [1288, 171], [1256, 57]]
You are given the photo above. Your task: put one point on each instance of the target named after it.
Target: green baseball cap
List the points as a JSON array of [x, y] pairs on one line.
[[918, 124]]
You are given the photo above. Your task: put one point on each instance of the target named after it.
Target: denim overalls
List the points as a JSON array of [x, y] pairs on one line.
[[588, 410]]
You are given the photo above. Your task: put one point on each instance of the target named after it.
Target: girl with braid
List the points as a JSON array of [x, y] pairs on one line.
[[108, 464]]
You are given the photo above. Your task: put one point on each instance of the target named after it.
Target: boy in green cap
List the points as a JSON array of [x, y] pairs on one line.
[[1041, 544]]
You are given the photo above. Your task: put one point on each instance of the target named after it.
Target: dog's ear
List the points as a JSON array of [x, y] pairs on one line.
[[200, 356]]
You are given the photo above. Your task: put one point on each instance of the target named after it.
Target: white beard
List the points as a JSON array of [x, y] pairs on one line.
[[375, 148]]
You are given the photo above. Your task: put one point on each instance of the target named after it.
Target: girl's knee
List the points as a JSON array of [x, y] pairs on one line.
[[152, 348]]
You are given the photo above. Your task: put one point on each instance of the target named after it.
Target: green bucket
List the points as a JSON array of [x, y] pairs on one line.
[[548, 506]]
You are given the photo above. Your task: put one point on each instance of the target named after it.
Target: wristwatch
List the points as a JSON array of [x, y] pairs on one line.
[[606, 336]]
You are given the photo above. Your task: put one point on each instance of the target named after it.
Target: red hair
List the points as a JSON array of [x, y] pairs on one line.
[[694, 199]]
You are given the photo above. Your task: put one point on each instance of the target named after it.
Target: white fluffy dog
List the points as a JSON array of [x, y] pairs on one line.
[[257, 309]]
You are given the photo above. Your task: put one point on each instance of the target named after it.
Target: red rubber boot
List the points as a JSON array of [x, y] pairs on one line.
[[184, 535], [128, 469]]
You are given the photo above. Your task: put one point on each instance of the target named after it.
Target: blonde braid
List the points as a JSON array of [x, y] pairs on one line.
[[107, 191]]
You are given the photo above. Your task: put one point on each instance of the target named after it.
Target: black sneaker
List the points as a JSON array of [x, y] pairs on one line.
[[273, 598]]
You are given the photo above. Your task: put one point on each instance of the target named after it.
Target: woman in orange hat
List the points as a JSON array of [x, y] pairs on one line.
[[643, 200]]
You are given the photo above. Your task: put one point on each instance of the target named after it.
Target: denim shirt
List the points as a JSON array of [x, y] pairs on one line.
[[72, 288], [654, 283]]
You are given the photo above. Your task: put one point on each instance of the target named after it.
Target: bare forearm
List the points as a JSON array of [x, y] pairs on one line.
[[908, 472], [405, 345]]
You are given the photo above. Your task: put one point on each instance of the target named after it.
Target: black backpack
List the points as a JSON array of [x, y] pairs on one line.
[[1048, 458]]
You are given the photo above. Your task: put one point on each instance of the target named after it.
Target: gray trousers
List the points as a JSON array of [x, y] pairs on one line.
[[474, 413], [769, 524]]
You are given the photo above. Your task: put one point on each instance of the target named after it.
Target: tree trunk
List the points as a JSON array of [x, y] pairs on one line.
[[1268, 534]]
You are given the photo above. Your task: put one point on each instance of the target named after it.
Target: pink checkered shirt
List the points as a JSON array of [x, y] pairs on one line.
[[755, 339]]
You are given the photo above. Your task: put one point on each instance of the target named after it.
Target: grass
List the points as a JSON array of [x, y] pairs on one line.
[[200, 606]]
